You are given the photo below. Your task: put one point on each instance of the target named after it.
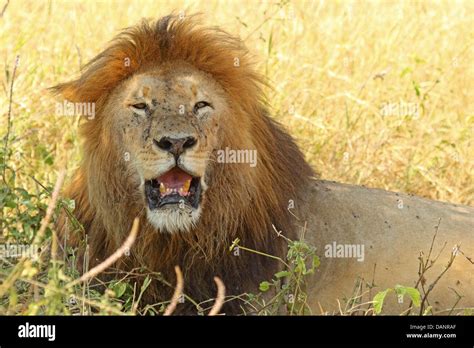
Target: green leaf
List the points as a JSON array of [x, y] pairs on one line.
[[301, 266], [270, 41], [24, 194], [45, 155], [316, 261], [282, 274], [378, 300], [416, 86], [119, 289], [419, 60], [413, 293], [264, 286], [10, 203], [405, 71], [146, 283]]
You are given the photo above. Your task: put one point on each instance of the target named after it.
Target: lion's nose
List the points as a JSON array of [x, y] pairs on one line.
[[175, 146]]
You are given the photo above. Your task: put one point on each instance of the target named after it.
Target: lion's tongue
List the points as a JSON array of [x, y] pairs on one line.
[[175, 181]]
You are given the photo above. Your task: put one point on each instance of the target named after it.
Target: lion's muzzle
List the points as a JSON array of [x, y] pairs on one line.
[[175, 146]]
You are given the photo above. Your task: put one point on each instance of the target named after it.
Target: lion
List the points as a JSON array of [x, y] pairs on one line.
[[171, 97]]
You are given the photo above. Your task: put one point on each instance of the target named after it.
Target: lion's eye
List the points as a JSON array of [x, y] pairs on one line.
[[139, 106], [200, 104]]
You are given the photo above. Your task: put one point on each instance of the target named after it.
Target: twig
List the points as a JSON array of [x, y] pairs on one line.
[[340, 308], [264, 21], [51, 206], [467, 257], [323, 312], [432, 242], [303, 230], [9, 115], [457, 301], [112, 258], [79, 56], [372, 285], [290, 211], [423, 265], [280, 234], [432, 285], [4, 8], [178, 291], [235, 243], [220, 297]]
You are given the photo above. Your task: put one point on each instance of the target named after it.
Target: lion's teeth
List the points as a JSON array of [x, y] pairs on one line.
[[183, 191], [186, 185]]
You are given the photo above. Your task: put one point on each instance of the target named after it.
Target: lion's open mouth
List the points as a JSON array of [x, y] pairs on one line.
[[173, 187]]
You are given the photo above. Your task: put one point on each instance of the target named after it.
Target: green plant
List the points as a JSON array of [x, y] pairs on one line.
[[400, 291], [287, 288]]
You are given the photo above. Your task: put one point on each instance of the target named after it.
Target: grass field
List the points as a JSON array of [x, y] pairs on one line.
[[377, 93]]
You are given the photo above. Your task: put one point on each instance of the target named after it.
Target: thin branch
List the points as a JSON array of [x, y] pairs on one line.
[[79, 56], [264, 21], [432, 285], [178, 291], [220, 297], [112, 258], [235, 243], [280, 234], [372, 285], [467, 257], [423, 266], [459, 297], [51, 206], [432, 242], [4, 8], [9, 115]]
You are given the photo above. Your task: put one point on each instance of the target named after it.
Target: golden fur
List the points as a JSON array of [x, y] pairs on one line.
[[241, 202]]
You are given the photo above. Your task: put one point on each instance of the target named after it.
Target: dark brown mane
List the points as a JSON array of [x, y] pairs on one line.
[[242, 203]]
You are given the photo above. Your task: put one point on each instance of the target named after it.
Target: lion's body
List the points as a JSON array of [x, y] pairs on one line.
[[393, 228], [145, 85]]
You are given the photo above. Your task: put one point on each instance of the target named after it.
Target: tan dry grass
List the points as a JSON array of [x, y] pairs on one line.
[[322, 59]]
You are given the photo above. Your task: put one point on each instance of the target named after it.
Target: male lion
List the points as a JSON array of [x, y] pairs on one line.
[[170, 97]]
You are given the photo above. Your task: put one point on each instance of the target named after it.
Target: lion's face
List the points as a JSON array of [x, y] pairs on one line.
[[167, 120]]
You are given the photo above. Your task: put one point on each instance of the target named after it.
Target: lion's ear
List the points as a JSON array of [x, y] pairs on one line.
[[68, 90], [95, 81], [87, 88], [100, 75]]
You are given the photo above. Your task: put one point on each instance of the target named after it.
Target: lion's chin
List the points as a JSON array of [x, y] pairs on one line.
[[174, 219]]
